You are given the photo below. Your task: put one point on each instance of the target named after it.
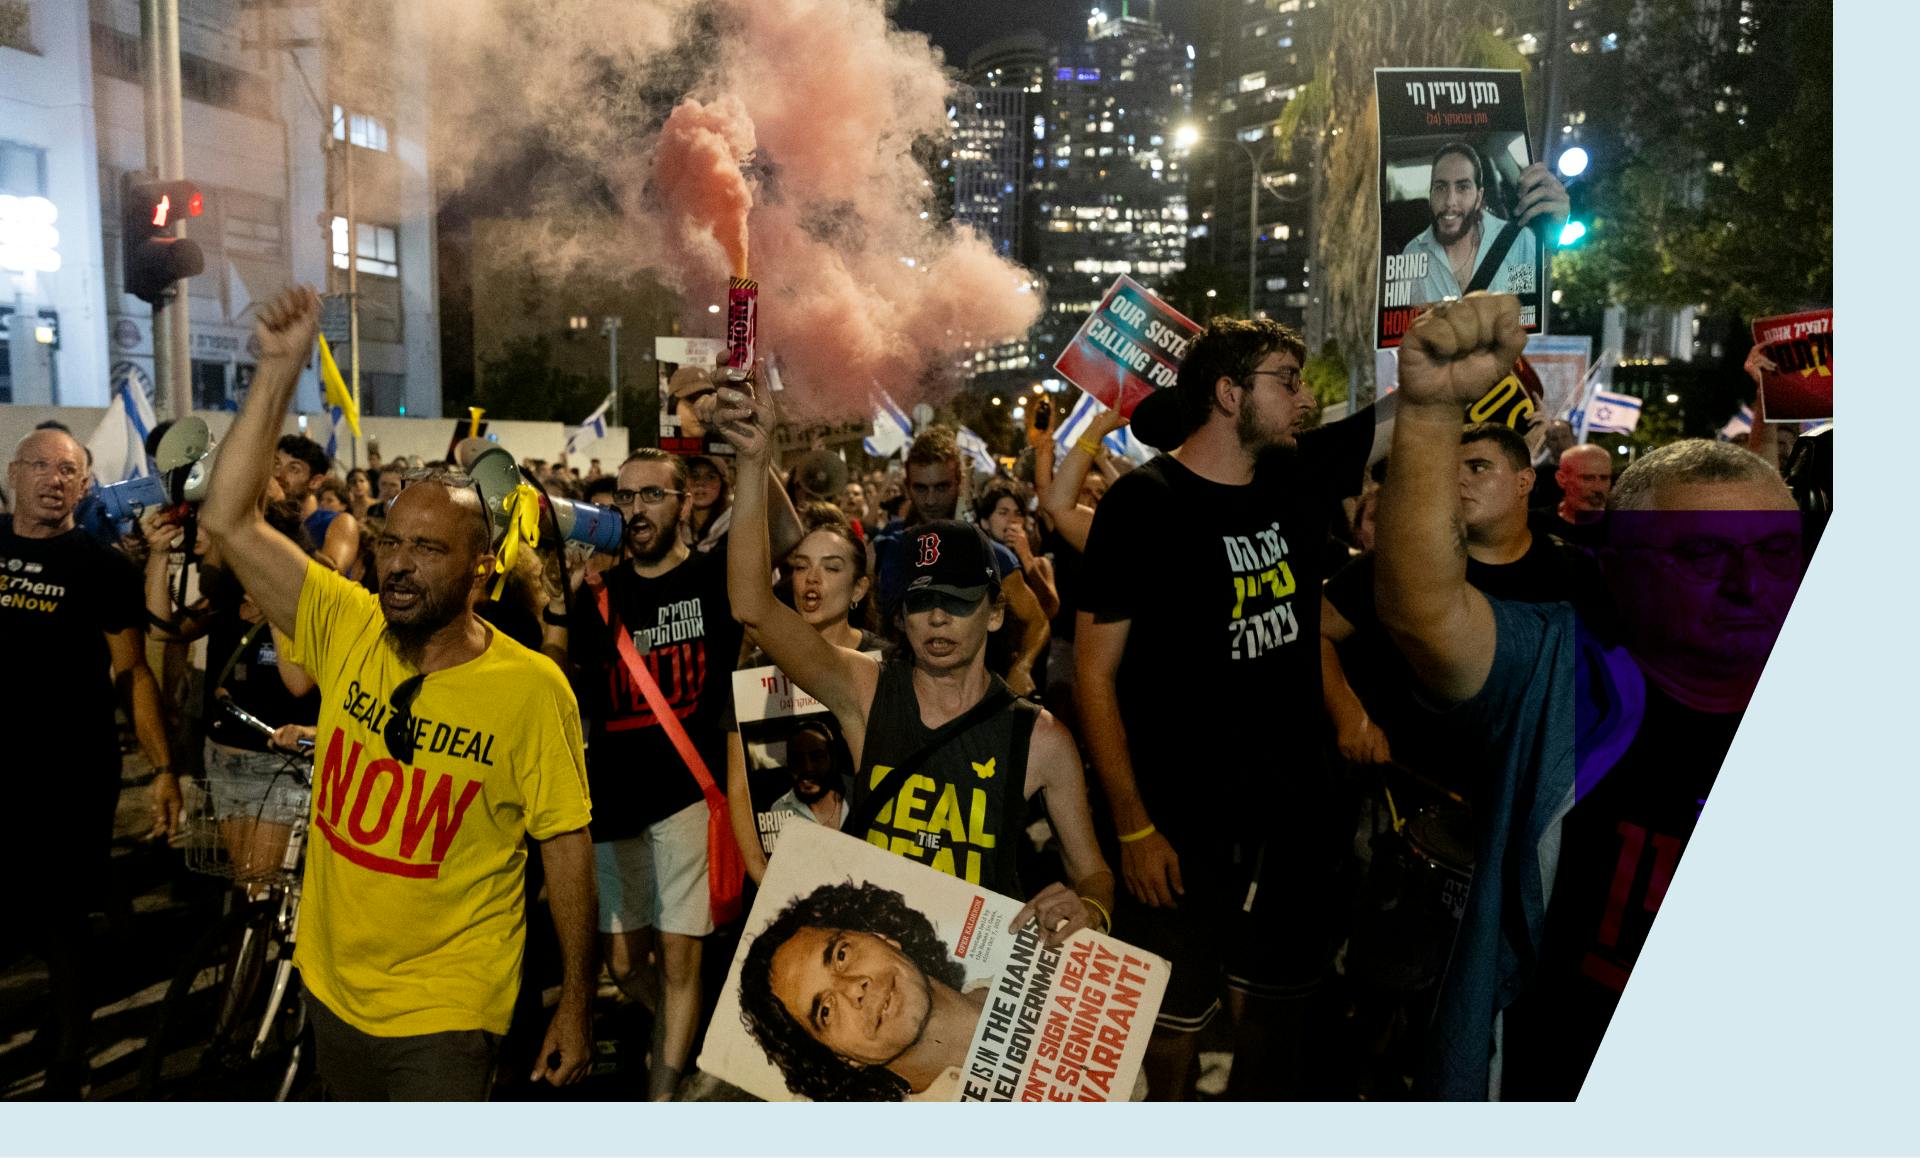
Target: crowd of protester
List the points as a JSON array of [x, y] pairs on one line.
[[1387, 732]]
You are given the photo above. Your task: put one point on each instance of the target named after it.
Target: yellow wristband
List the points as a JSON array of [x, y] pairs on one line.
[[1143, 834], [1106, 918], [1092, 448]]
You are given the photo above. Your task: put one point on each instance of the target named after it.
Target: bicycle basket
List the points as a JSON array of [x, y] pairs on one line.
[[247, 835]]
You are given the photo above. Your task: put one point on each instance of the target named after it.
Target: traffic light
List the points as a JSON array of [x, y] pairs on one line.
[[1572, 163], [152, 258]]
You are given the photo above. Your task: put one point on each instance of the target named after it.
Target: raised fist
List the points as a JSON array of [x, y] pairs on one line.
[[1456, 351]]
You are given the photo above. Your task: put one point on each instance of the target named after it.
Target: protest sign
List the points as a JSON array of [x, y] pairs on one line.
[[1453, 143], [681, 430], [1128, 348], [1560, 361], [854, 953], [798, 766], [1800, 388]]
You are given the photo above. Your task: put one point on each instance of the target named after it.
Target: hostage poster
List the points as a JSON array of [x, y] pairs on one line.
[[687, 394], [863, 976], [798, 766], [1800, 386], [1453, 143]]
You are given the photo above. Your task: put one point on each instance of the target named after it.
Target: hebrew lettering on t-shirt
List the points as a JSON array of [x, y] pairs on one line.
[[675, 651], [1262, 609]]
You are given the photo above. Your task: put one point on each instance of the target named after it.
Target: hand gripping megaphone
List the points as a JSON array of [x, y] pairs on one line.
[[182, 459]]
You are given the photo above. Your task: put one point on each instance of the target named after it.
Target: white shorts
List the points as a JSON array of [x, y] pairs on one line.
[[658, 879]]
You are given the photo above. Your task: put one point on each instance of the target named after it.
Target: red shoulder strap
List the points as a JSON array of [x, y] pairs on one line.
[[662, 711]]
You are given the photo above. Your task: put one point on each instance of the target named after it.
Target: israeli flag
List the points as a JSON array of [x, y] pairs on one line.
[[119, 443], [975, 448], [1121, 442], [335, 416], [591, 428], [1610, 413], [892, 429], [1739, 424]]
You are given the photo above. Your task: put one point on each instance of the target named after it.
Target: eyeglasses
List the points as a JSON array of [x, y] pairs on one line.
[[65, 470], [1290, 378], [1711, 560], [925, 600], [399, 730], [648, 495]]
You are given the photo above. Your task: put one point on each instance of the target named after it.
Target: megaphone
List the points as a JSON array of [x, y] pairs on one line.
[[183, 461], [822, 473], [497, 476]]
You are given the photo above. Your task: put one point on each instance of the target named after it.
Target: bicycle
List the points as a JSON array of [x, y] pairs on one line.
[[233, 1024]]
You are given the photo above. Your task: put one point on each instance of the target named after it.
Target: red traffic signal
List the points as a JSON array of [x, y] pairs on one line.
[[152, 258]]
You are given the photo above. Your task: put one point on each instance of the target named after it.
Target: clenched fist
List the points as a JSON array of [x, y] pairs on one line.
[[1456, 351]]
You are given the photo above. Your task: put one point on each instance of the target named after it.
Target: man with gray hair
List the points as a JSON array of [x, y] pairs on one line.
[[1605, 744]]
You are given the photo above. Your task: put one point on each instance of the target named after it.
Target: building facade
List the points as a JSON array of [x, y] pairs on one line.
[[277, 108]]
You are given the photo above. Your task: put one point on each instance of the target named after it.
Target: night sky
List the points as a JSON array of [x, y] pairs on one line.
[[960, 26]]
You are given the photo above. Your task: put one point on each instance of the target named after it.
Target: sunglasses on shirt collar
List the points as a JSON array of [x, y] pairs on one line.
[[399, 730]]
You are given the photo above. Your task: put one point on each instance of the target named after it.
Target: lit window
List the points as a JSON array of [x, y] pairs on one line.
[[368, 132], [377, 251], [1253, 81]]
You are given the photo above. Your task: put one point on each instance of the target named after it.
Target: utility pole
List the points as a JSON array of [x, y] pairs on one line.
[[353, 268], [610, 326], [1549, 138], [1253, 227], [160, 79]]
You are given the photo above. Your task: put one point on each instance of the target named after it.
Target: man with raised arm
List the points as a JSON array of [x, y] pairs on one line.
[[1593, 784], [443, 746], [979, 752]]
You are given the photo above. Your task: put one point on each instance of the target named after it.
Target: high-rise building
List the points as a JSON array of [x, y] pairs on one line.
[[1253, 57], [1112, 197], [266, 89]]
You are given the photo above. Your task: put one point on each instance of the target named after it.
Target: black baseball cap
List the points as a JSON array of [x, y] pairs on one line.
[[951, 557]]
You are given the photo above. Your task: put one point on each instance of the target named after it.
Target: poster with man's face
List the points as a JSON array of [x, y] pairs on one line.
[[866, 976], [1453, 143], [687, 395]]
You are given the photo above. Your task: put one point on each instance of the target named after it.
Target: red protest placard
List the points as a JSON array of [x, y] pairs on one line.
[[1800, 387], [1129, 347]]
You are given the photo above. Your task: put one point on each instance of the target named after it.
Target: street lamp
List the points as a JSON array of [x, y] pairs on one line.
[[1189, 135]]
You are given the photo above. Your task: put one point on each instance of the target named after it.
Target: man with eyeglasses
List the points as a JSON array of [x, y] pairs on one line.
[[650, 816], [1605, 742], [74, 625], [442, 748], [1198, 679]]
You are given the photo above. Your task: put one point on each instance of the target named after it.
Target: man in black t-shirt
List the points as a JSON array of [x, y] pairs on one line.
[[1198, 681], [1369, 688], [73, 619], [650, 817]]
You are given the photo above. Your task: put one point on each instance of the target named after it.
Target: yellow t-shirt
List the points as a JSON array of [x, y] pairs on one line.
[[413, 908]]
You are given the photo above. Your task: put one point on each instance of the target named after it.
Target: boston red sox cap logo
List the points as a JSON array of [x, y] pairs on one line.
[[929, 550]]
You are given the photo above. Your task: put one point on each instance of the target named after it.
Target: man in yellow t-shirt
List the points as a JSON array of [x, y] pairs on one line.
[[442, 747]]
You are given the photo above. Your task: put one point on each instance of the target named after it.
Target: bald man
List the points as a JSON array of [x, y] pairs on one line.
[[1585, 477], [443, 747], [73, 619]]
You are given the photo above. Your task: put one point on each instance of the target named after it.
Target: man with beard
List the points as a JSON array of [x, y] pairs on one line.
[[73, 622], [1464, 230], [443, 746], [300, 467], [1198, 682], [1602, 745], [651, 815]]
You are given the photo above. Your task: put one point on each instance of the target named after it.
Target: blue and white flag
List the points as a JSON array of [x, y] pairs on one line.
[[336, 416], [1611, 413], [975, 448], [119, 443], [1074, 426], [1739, 424], [892, 429], [592, 428]]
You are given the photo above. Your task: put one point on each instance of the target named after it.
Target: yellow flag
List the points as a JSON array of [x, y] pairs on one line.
[[335, 389]]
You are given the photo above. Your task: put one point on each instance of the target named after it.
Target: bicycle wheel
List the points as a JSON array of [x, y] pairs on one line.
[[208, 1041]]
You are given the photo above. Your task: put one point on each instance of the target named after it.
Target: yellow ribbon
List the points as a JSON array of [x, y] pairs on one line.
[[522, 511]]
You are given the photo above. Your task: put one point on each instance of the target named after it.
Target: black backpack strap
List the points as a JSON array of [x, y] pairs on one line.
[[1016, 809], [1502, 242], [862, 816]]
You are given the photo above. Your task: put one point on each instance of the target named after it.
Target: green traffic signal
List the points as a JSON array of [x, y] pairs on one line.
[[1572, 232]]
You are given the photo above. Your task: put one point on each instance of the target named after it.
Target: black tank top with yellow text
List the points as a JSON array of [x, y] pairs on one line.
[[962, 811]]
